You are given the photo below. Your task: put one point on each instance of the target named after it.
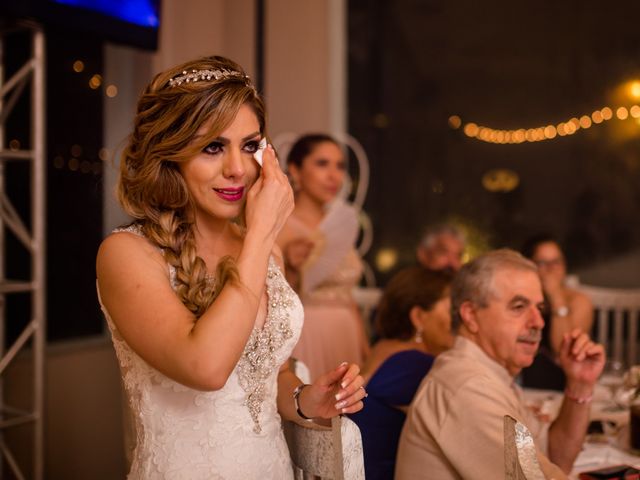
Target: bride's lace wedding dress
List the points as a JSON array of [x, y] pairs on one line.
[[231, 433]]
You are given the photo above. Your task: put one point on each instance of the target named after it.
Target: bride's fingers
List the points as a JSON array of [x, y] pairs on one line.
[[354, 392], [333, 377], [357, 396], [270, 165], [356, 407], [350, 375]]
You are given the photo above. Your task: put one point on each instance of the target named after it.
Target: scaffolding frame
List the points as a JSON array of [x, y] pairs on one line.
[[33, 240]]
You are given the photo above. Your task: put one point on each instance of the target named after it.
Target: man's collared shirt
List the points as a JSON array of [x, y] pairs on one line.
[[455, 426]]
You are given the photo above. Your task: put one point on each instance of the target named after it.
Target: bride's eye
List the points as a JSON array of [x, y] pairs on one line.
[[252, 146], [213, 148]]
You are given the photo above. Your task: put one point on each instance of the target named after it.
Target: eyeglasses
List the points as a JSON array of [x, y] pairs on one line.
[[553, 262]]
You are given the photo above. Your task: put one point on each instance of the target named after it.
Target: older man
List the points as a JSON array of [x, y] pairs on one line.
[[455, 425], [441, 248]]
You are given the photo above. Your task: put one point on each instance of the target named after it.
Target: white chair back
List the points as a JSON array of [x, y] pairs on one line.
[[617, 315], [367, 299], [326, 452], [520, 455]]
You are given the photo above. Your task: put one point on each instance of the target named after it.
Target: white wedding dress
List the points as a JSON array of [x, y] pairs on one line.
[[231, 433]]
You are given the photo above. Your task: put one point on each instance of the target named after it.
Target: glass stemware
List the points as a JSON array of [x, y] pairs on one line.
[[613, 379]]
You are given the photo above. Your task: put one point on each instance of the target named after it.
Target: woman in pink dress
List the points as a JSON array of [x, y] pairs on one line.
[[320, 257]]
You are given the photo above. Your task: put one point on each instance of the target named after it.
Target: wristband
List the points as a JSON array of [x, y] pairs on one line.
[[578, 400], [296, 394]]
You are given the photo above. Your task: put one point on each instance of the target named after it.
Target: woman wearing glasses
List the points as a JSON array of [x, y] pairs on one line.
[[567, 309]]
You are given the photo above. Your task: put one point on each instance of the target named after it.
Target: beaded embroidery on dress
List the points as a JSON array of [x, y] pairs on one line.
[[231, 433]]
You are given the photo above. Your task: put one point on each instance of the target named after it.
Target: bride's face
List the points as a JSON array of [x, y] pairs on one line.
[[321, 174], [219, 177]]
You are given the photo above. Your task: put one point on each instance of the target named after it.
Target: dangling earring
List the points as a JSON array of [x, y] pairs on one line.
[[418, 337]]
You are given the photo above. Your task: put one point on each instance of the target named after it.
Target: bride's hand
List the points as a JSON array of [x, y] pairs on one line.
[[270, 199], [336, 392]]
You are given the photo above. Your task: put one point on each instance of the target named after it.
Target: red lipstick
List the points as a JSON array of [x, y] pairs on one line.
[[230, 194]]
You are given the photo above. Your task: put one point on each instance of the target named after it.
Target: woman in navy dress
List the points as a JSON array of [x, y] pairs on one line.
[[413, 324]]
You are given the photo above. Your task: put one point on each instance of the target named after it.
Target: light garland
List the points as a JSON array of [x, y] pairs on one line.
[[547, 132]]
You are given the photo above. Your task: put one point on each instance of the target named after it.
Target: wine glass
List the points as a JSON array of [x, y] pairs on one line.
[[613, 378]]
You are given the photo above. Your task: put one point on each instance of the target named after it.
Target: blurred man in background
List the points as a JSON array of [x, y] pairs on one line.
[[441, 248]]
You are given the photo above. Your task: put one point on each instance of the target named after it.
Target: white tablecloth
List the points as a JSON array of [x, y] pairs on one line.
[[596, 452]]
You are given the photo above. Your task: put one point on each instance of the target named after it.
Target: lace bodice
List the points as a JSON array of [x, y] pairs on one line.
[[231, 433]]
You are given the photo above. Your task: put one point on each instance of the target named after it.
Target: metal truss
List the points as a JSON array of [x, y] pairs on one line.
[[32, 238]]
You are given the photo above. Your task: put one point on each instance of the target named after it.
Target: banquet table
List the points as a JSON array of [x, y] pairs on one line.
[[598, 451]]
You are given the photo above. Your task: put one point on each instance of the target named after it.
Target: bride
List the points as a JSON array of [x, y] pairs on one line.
[[202, 318]]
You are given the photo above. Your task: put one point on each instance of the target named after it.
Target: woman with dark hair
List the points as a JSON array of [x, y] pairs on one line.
[[567, 309], [414, 325], [202, 319], [318, 244]]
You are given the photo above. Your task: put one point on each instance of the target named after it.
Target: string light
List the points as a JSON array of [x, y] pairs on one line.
[[455, 121], [95, 81], [111, 91], [622, 113], [545, 132], [78, 164], [597, 117], [386, 259]]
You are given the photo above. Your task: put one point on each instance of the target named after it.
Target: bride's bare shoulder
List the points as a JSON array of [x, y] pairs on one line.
[[124, 249]]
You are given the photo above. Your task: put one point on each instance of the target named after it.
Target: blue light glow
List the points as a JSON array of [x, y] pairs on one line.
[[139, 12]]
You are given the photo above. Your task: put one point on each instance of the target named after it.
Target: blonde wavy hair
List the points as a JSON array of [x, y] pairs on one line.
[[151, 188]]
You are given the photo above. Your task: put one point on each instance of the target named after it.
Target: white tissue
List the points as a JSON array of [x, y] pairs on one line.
[[258, 155]]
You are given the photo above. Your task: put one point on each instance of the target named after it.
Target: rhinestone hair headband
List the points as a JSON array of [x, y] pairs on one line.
[[200, 75]]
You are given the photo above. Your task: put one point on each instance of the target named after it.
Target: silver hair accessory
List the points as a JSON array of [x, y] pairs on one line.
[[200, 75]]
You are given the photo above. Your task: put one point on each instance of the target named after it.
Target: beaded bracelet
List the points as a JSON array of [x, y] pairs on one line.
[[296, 394], [579, 400]]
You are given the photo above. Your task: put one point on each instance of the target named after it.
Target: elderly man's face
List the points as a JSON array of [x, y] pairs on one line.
[[509, 328], [444, 253]]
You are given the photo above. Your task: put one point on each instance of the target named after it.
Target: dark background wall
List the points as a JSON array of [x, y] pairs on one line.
[[412, 64]]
